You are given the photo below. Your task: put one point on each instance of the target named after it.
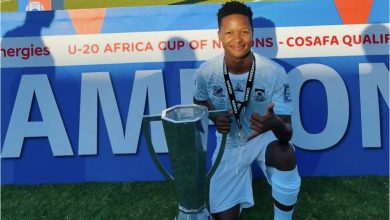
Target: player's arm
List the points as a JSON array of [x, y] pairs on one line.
[[284, 130], [204, 103], [222, 122], [280, 125]]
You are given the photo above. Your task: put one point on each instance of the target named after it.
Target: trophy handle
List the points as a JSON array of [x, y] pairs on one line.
[[145, 127], [219, 157], [221, 147]]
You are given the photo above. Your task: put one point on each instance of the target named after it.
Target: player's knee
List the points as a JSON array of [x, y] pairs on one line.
[[280, 155], [285, 187], [230, 214]]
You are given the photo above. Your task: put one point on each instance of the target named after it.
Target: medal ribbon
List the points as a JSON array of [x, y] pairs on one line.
[[229, 87]]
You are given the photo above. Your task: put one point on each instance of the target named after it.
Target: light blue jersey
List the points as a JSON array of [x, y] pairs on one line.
[[231, 184], [270, 85]]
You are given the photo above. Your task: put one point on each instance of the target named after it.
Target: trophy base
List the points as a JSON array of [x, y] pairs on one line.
[[202, 214]]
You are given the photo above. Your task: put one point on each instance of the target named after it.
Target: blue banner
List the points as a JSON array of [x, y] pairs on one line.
[[75, 85]]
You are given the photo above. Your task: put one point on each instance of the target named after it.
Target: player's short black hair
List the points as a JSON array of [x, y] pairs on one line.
[[234, 7]]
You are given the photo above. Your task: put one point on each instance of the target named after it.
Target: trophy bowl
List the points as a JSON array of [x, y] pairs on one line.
[[186, 129]]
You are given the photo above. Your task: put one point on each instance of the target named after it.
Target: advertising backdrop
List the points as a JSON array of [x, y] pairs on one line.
[[75, 85]]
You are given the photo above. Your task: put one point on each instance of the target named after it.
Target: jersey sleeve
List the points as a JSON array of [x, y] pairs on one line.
[[281, 94], [200, 88]]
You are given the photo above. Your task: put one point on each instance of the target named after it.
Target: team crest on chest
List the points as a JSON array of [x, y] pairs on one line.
[[217, 91], [260, 95]]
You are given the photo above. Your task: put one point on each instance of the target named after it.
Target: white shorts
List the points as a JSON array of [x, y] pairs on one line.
[[231, 184]]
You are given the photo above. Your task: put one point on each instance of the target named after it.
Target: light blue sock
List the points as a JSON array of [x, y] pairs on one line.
[[285, 189]]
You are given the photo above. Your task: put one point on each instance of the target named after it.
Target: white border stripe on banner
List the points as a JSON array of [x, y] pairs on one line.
[[165, 46]]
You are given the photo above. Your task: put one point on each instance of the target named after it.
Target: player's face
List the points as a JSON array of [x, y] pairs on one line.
[[235, 33]]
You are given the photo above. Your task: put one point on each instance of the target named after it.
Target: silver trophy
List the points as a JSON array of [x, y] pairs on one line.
[[186, 128]]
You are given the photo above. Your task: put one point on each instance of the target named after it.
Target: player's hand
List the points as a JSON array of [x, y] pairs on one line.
[[223, 122], [260, 124]]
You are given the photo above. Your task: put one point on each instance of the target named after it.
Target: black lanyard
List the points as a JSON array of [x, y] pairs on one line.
[[229, 87]]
